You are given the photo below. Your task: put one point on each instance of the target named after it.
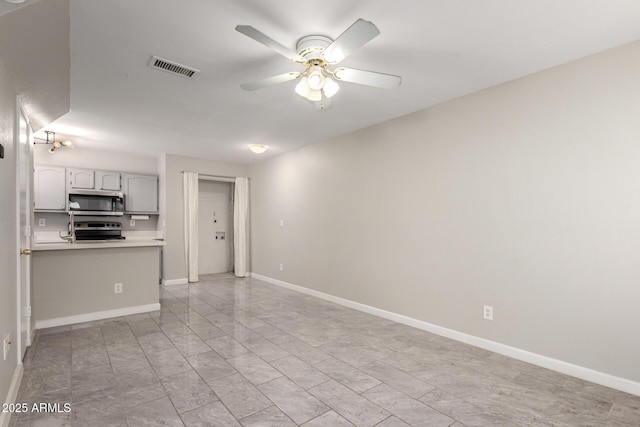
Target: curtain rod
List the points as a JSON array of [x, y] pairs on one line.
[[215, 177]]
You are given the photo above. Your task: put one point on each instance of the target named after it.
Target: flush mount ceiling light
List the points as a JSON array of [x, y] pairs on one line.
[[258, 148], [15, 1], [318, 53], [51, 139]]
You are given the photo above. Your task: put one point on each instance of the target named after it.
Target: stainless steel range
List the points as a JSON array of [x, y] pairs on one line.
[[98, 230]]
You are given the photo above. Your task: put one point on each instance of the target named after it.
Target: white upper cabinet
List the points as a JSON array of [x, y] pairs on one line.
[[88, 179], [81, 179], [49, 188], [108, 180], [53, 183], [140, 193]]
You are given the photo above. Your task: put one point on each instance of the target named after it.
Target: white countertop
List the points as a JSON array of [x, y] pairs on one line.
[[128, 243], [49, 240]]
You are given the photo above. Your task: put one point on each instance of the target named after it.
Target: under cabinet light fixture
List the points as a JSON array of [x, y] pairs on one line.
[[51, 139]]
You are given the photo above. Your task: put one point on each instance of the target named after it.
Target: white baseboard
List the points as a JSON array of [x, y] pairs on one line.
[[581, 372], [12, 394], [172, 282], [98, 315]]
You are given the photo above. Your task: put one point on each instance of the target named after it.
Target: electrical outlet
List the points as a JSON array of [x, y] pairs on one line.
[[282, 223], [487, 313], [42, 222], [6, 345], [132, 223], [117, 288], [281, 267]]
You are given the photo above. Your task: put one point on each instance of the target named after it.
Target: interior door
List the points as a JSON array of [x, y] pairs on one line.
[[214, 227], [23, 168]]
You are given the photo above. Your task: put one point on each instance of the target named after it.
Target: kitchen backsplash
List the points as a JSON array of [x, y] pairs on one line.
[[59, 221]]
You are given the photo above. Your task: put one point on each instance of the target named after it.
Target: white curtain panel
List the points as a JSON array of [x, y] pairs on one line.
[[240, 207], [190, 186]]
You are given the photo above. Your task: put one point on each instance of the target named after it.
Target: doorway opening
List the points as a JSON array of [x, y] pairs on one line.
[[215, 227]]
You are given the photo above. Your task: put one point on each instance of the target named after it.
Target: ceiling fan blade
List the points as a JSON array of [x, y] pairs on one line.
[[368, 78], [270, 81], [260, 37], [354, 37], [324, 104]]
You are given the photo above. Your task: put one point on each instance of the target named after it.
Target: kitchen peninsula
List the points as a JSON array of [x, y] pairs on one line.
[[77, 282]]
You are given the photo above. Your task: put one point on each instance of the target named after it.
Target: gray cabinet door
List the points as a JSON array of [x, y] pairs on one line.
[[81, 178], [140, 193], [108, 180], [49, 188]]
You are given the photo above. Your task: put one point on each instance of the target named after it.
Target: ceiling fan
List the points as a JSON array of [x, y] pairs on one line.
[[319, 54]]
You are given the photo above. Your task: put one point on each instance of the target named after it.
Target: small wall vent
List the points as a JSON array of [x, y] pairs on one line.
[[173, 67]]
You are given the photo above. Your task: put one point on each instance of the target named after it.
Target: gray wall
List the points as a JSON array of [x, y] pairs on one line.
[[81, 155], [171, 204], [8, 255], [525, 196], [43, 31]]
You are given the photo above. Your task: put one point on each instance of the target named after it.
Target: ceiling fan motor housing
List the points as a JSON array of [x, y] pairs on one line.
[[311, 47]]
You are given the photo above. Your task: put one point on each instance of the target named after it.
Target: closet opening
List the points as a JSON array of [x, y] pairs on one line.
[[215, 228]]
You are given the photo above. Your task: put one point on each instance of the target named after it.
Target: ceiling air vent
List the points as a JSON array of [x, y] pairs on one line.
[[173, 67]]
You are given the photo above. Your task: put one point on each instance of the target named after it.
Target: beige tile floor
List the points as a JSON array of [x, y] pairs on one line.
[[229, 352]]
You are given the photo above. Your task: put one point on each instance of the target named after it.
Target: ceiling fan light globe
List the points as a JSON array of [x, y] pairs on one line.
[[315, 95], [302, 88], [330, 88], [316, 80]]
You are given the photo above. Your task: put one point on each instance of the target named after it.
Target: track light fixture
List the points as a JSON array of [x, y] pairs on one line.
[[51, 140]]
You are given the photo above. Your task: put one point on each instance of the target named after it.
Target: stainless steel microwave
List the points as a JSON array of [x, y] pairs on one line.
[[94, 202]]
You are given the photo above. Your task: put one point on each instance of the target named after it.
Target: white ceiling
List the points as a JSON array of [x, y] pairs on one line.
[[442, 48]]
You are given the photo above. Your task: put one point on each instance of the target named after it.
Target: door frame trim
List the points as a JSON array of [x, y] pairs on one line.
[[20, 112]]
